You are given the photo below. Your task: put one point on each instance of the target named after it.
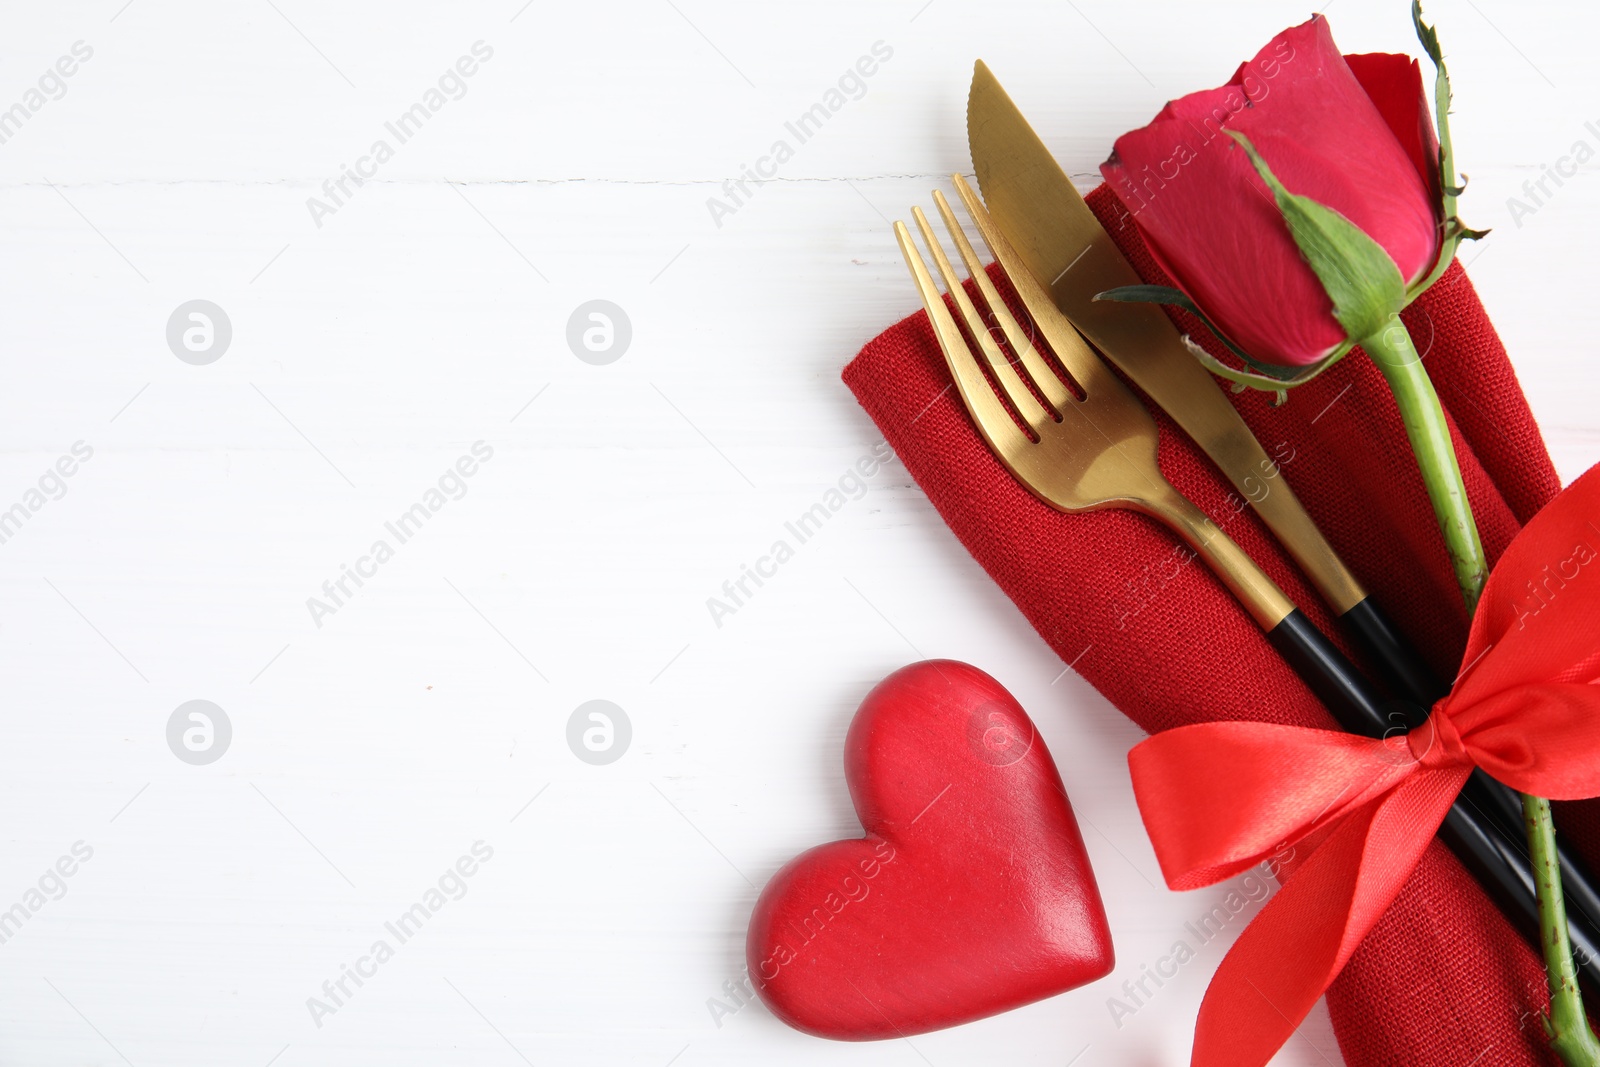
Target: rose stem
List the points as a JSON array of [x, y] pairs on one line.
[[1567, 1027], [1391, 349], [1396, 357]]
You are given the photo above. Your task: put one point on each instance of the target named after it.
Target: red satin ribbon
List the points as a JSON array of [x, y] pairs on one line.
[[1219, 798]]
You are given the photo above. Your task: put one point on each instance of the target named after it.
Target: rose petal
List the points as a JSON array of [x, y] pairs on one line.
[[1211, 221], [1394, 85]]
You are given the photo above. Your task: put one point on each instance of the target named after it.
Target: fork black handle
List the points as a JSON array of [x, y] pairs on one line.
[[1500, 803], [1483, 844], [1500, 865], [1414, 681]]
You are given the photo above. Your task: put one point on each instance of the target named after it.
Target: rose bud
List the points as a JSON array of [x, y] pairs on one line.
[[1298, 206]]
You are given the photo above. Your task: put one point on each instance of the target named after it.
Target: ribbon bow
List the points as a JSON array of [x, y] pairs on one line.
[[1218, 798]]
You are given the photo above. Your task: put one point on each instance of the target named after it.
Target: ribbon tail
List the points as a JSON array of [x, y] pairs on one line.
[[1289, 955]]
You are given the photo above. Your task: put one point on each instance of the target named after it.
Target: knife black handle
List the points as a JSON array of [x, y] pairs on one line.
[[1501, 868], [1330, 676], [1474, 827]]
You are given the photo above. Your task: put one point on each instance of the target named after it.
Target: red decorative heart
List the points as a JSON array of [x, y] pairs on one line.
[[970, 894]]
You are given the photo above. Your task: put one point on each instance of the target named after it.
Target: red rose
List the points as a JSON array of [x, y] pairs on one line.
[[1350, 132]]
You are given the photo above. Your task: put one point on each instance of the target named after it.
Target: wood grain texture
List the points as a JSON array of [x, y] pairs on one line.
[[429, 311]]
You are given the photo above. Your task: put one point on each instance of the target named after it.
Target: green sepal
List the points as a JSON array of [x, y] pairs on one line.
[[1460, 232], [1243, 380], [1267, 377], [1164, 294], [1357, 274], [1428, 36]]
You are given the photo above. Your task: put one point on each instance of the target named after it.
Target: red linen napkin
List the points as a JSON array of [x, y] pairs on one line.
[[1443, 979]]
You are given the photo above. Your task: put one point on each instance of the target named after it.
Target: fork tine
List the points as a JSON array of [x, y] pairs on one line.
[[1022, 400], [1034, 366], [1081, 361], [999, 429]]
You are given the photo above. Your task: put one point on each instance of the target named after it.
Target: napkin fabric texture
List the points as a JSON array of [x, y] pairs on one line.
[[1443, 979]]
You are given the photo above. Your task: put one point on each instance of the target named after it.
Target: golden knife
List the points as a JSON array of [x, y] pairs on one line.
[[1067, 251]]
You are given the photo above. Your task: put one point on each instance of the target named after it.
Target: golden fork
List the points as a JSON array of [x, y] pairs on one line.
[[1098, 450]]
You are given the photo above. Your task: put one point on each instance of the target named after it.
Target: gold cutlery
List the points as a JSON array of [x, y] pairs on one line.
[[1094, 450], [1061, 243], [1096, 447]]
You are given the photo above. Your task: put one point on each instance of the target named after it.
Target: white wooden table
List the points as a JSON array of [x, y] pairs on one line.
[[377, 338]]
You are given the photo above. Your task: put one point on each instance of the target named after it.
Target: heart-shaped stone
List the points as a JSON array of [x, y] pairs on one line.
[[970, 894]]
